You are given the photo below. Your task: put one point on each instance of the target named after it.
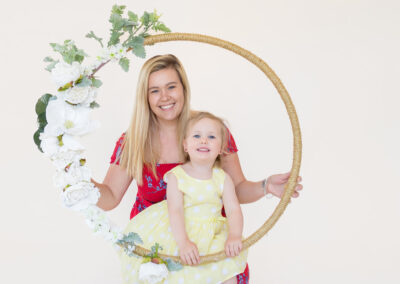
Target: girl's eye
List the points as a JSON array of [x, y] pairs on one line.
[[211, 136], [196, 136]]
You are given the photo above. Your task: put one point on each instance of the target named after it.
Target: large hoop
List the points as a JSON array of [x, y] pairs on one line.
[[280, 208]]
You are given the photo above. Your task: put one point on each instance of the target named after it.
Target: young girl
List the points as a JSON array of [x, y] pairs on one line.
[[189, 222]]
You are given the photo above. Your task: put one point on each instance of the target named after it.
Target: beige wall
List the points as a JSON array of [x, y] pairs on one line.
[[339, 61]]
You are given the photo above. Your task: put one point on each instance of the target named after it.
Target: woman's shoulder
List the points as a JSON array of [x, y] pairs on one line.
[[116, 155]]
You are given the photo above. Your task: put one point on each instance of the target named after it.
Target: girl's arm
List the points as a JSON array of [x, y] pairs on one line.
[[188, 251], [249, 191], [113, 188], [234, 215]]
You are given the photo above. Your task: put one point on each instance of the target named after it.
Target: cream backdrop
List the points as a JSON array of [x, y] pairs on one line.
[[339, 61]]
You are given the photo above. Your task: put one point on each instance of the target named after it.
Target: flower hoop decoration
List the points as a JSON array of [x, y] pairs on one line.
[[65, 116]]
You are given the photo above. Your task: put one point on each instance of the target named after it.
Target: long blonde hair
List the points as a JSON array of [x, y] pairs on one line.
[[140, 143], [199, 115]]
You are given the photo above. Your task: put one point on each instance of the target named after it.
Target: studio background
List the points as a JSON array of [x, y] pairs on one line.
[[340, 62]]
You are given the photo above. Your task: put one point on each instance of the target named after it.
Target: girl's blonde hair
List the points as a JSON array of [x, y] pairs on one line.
[[195, 117], [141, 142]]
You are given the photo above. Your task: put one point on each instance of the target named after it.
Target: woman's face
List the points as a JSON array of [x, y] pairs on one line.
[[165, 94]]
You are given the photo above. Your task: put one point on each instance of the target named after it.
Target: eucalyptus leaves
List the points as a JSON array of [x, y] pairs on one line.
[[64, 117]]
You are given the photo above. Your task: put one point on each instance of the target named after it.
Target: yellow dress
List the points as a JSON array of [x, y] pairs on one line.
[[204, 225]]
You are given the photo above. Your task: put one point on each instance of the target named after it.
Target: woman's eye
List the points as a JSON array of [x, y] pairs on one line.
[[154, 92], [171, 87], [196, 136]]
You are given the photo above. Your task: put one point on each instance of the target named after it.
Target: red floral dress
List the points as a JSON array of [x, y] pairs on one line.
[[153, 188]]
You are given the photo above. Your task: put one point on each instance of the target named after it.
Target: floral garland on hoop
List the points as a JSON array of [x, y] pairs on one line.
[[64, 117]]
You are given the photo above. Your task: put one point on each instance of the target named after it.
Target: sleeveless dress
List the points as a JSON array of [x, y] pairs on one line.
[[204, 224], [153, 188]]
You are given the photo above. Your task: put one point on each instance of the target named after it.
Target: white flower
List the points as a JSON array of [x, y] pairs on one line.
[[62, 159], [64, 73], [76, 95], [75, 174], [152, 272], [53, 146], [114, 53], [80, 196], [65, 118], [99, 223]]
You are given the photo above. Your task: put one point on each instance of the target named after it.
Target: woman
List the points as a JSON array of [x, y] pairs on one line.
[[150, 147]]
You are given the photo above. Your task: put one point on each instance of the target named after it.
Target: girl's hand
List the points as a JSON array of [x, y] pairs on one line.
[[189, 253], [276, 185], [233, 246]]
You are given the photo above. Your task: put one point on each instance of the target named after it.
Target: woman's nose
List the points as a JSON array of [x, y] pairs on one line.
[[164, 94]]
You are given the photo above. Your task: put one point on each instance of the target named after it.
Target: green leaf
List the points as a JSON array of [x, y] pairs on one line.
[[114, 38], [51, 65], [139, 51], [117, 21], [96, 83], [124, 62], [42, 103], [84, 82], [94, 105], [135, 41], [92, 35], [161, 27], [118, 9], [48, 59], [41, 119], [172, 265], [132, 16], [145, 19], [36, 138]]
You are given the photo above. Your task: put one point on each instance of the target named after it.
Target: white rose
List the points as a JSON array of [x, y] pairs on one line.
[[75, 174], [152, 272], [76, 95], [64, 73], [62, 159], [80, 196]]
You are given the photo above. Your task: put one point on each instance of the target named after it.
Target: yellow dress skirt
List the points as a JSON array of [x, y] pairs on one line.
[[204, 224]]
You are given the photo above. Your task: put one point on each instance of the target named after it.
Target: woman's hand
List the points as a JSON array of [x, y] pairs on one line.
[[233, 246], [276, 185], [189, 253]]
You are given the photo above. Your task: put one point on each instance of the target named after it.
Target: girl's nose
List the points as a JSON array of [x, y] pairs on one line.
[[204, 140]]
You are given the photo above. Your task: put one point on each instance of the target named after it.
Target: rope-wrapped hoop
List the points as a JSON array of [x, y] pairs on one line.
[[280, 208]]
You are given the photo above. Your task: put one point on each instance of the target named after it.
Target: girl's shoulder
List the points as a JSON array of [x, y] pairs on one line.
[[177, 171]]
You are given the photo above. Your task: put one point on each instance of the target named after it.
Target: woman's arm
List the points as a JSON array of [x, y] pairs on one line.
[[234, 215], [113, 188], [249, 191], [188, 251]]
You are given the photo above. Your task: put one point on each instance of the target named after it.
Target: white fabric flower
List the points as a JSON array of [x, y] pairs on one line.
[[52, 146], [80, 196], [65, 118], [75, 174], [152, 272], [62, 159], [99, 223], [64, 73], [113, 53], [76, 95]]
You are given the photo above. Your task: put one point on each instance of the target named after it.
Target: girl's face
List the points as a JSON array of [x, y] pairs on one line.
[[203, 140], [165, 94]]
